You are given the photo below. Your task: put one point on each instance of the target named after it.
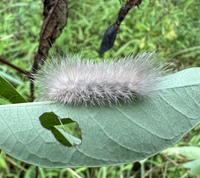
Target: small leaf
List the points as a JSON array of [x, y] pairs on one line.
[[11, 79], [3, 163], [49, 120], [194, 167], [8, 92], [60, 137], [190, 152], [4, 101]]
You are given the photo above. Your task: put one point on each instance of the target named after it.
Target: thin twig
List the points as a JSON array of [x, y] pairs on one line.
[[153, 169], [125, 9], [36, 172], [15, 164], [111, 33], [14, 67], [170, 160], [55, 17], [73, 173]]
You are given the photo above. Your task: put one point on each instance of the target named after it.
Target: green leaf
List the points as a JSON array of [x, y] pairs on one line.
[[11, 79], [60, 137], [110, 135], [190, 152], [49, 120], [4, 101], [194, 167], [3, 163], [8, 92]]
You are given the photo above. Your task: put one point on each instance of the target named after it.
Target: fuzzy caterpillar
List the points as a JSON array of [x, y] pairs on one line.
[[74, 81]]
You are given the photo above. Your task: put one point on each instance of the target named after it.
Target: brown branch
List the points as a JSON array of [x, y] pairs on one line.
[[55, 18], [125, 9], [111, 33], [14, 67]]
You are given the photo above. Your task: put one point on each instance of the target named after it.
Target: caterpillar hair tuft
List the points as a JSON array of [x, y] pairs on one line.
[[74, 81]]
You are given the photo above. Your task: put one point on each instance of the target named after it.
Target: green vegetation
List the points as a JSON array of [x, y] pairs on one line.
[[171, 28]]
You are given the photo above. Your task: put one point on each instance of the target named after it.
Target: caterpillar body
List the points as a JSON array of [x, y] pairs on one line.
[[72, 80]]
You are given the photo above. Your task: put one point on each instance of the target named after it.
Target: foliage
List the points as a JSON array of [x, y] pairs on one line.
[[110, 135], [171, 28]]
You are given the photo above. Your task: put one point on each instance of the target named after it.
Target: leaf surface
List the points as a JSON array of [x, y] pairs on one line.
[[50, 120], [190, 152], [194, 167], [8, 92], [110, 135]]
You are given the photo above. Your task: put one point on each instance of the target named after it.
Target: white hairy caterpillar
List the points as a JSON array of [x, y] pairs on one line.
[[72, 80]]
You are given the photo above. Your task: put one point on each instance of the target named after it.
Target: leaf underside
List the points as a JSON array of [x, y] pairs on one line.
[[110, 135]]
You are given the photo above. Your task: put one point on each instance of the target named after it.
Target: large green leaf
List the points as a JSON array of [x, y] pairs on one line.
[[110, 135]]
